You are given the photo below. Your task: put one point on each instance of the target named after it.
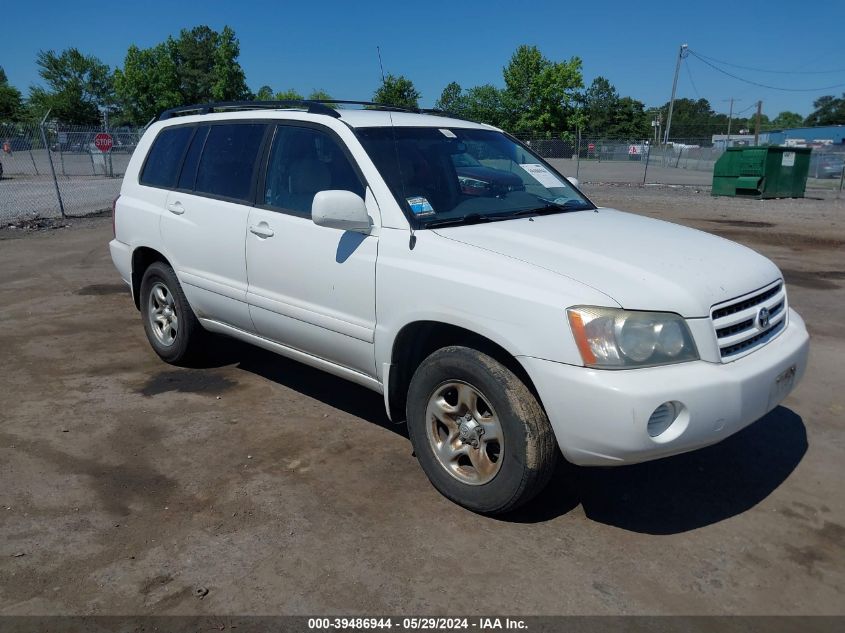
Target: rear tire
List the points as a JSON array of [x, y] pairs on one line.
[[479, 433], [171, 326]]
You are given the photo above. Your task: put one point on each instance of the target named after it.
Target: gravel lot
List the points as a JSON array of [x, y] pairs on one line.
[[129, 484]]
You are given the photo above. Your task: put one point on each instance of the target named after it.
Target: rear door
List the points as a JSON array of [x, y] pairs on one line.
[[205, 221], [311, 287]]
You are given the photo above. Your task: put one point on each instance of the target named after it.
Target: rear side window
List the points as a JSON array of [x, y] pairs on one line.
[[192, 159], [227, 166], [162, 165]]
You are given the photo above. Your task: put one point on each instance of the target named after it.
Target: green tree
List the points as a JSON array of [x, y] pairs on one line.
[[319, 95], [11, 105], [828, 111], [265, 93], [147, 84], [694, 119], [199, 66], [630, 120], [786, 120], [194, 54], [601, 101], [540, 94], [78, 87], [452, 99], [398, 91], [288, 95], [486, 104], [229, 79]]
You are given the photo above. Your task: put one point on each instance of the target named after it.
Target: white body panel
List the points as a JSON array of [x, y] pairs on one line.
[[206, 246], [338, 300], [643, 263], [313, 288]]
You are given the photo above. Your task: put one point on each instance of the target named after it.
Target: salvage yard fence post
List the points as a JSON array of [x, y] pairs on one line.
[[578, 156], [52, 167]]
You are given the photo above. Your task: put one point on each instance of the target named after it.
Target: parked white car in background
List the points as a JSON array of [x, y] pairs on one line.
[[444, 264]]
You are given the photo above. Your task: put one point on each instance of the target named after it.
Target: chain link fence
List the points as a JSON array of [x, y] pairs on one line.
[[682, 162], [57, 170]]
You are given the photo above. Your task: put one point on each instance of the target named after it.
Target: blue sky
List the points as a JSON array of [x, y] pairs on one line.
[[332, 45]]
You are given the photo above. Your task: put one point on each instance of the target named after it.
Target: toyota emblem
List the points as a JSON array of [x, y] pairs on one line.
[[763, 318]]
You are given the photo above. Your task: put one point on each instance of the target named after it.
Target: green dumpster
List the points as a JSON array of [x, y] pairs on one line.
[[762, 172]]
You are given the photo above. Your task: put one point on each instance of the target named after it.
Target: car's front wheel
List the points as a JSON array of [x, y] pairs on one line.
[[171, 326], [478, 432]]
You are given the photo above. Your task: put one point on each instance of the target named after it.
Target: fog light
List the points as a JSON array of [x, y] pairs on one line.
[[663, 417]]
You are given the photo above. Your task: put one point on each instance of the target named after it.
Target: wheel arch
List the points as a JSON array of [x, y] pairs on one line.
[[417, 340], [142, 258]]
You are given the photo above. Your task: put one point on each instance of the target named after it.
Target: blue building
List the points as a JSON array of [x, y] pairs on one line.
[[822, 135]]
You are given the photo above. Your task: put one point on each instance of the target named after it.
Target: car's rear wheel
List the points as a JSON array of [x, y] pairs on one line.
[[171, 326], [478, 431]]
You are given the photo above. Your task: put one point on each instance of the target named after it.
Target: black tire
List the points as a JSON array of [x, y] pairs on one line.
[[529, 451], [186, 342]]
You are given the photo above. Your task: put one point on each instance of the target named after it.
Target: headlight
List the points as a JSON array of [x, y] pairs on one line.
[[611, 338]]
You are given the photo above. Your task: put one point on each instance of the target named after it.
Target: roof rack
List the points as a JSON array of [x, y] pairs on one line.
[[314, 107], [370, 105], [445, 113]]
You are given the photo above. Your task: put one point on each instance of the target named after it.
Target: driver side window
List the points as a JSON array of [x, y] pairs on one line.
[[304, 161]]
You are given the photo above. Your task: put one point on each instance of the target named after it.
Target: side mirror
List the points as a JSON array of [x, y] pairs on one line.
[[574, 181], [338, 209]]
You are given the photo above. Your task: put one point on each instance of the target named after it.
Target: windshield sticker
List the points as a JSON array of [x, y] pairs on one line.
[[448, 133], [542, 175], [420, 206]]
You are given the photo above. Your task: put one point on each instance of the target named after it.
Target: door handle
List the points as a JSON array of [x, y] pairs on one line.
[[176, 207], [262, 230]]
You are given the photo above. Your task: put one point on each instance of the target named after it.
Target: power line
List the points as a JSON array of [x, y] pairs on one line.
[[755, 83], [689, 74], [774, 72], [753, 105]]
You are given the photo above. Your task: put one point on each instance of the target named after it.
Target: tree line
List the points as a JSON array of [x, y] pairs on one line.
[[539, 97]]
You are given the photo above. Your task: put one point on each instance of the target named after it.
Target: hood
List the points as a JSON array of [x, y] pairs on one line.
[[640, 262]]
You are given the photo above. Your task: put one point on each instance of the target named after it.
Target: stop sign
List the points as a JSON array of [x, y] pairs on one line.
[[103, 142]]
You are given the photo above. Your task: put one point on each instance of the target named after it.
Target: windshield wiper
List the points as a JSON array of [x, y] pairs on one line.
[[470, 218], [550, 207]]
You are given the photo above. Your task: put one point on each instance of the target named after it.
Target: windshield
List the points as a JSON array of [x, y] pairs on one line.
[[446, 176]]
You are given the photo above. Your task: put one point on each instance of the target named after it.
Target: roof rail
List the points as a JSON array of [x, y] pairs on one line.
[[446, 113], [371, 105], [314, 107]]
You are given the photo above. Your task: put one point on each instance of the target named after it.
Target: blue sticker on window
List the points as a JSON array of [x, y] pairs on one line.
[[420, 206]]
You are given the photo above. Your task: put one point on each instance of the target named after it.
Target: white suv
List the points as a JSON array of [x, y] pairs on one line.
[[444, 264]]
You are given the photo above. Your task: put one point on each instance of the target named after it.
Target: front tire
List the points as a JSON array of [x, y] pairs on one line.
[[479, 433], [171, 326]]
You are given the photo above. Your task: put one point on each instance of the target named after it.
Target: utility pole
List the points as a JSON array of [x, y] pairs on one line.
[[682, 52], [730, 120], [757, 123], [656, 123]]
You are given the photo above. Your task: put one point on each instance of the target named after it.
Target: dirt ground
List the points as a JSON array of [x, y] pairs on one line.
[[255, 485]]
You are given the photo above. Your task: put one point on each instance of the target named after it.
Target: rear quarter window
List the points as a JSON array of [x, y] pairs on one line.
[[161, 169]]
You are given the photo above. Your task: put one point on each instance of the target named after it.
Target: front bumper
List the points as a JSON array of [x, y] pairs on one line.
[[600, 416]]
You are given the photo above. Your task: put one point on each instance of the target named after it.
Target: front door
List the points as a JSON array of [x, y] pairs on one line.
[[311, 288]]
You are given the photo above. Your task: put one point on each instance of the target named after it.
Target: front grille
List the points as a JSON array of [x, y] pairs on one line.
[[746, 303], [738, 326]]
